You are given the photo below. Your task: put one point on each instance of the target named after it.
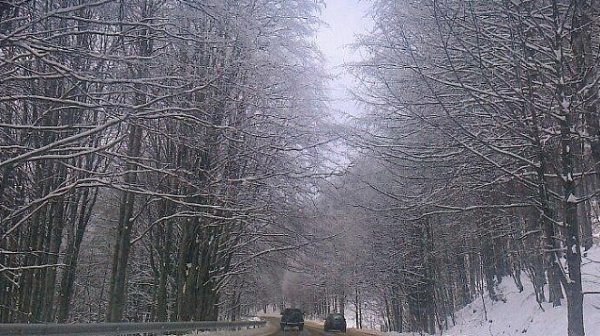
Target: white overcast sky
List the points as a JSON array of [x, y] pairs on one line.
[[344, 19]]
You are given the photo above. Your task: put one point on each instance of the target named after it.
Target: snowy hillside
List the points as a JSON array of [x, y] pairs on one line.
[[522, 315], [518, 314]]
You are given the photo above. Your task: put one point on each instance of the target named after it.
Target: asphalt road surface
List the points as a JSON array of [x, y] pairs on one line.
[[312, 329]]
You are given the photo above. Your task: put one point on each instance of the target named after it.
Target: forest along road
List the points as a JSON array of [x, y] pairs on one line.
[[311, 329]]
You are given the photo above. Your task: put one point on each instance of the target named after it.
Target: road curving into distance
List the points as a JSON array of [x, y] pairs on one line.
[[310, 329]]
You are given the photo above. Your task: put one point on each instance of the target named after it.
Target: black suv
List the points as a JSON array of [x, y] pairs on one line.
[[292, 317], [335, 322]]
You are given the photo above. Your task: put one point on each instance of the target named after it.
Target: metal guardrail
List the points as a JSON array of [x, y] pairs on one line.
[[85, 329]]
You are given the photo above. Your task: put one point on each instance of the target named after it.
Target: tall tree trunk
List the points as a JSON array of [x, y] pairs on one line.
[[572, 284], [67, 281], [397, 310], [117, 287]]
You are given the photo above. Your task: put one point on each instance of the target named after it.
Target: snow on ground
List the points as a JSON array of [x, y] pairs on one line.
[[521, 314], [370, 319]]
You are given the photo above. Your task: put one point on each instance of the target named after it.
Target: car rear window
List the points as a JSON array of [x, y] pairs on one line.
[[292, 312]]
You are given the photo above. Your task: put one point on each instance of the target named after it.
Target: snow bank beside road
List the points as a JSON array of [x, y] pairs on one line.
[[521, 314]]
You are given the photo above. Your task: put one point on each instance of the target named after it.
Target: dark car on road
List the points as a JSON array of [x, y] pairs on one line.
[[292, 317], [335, 322]]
